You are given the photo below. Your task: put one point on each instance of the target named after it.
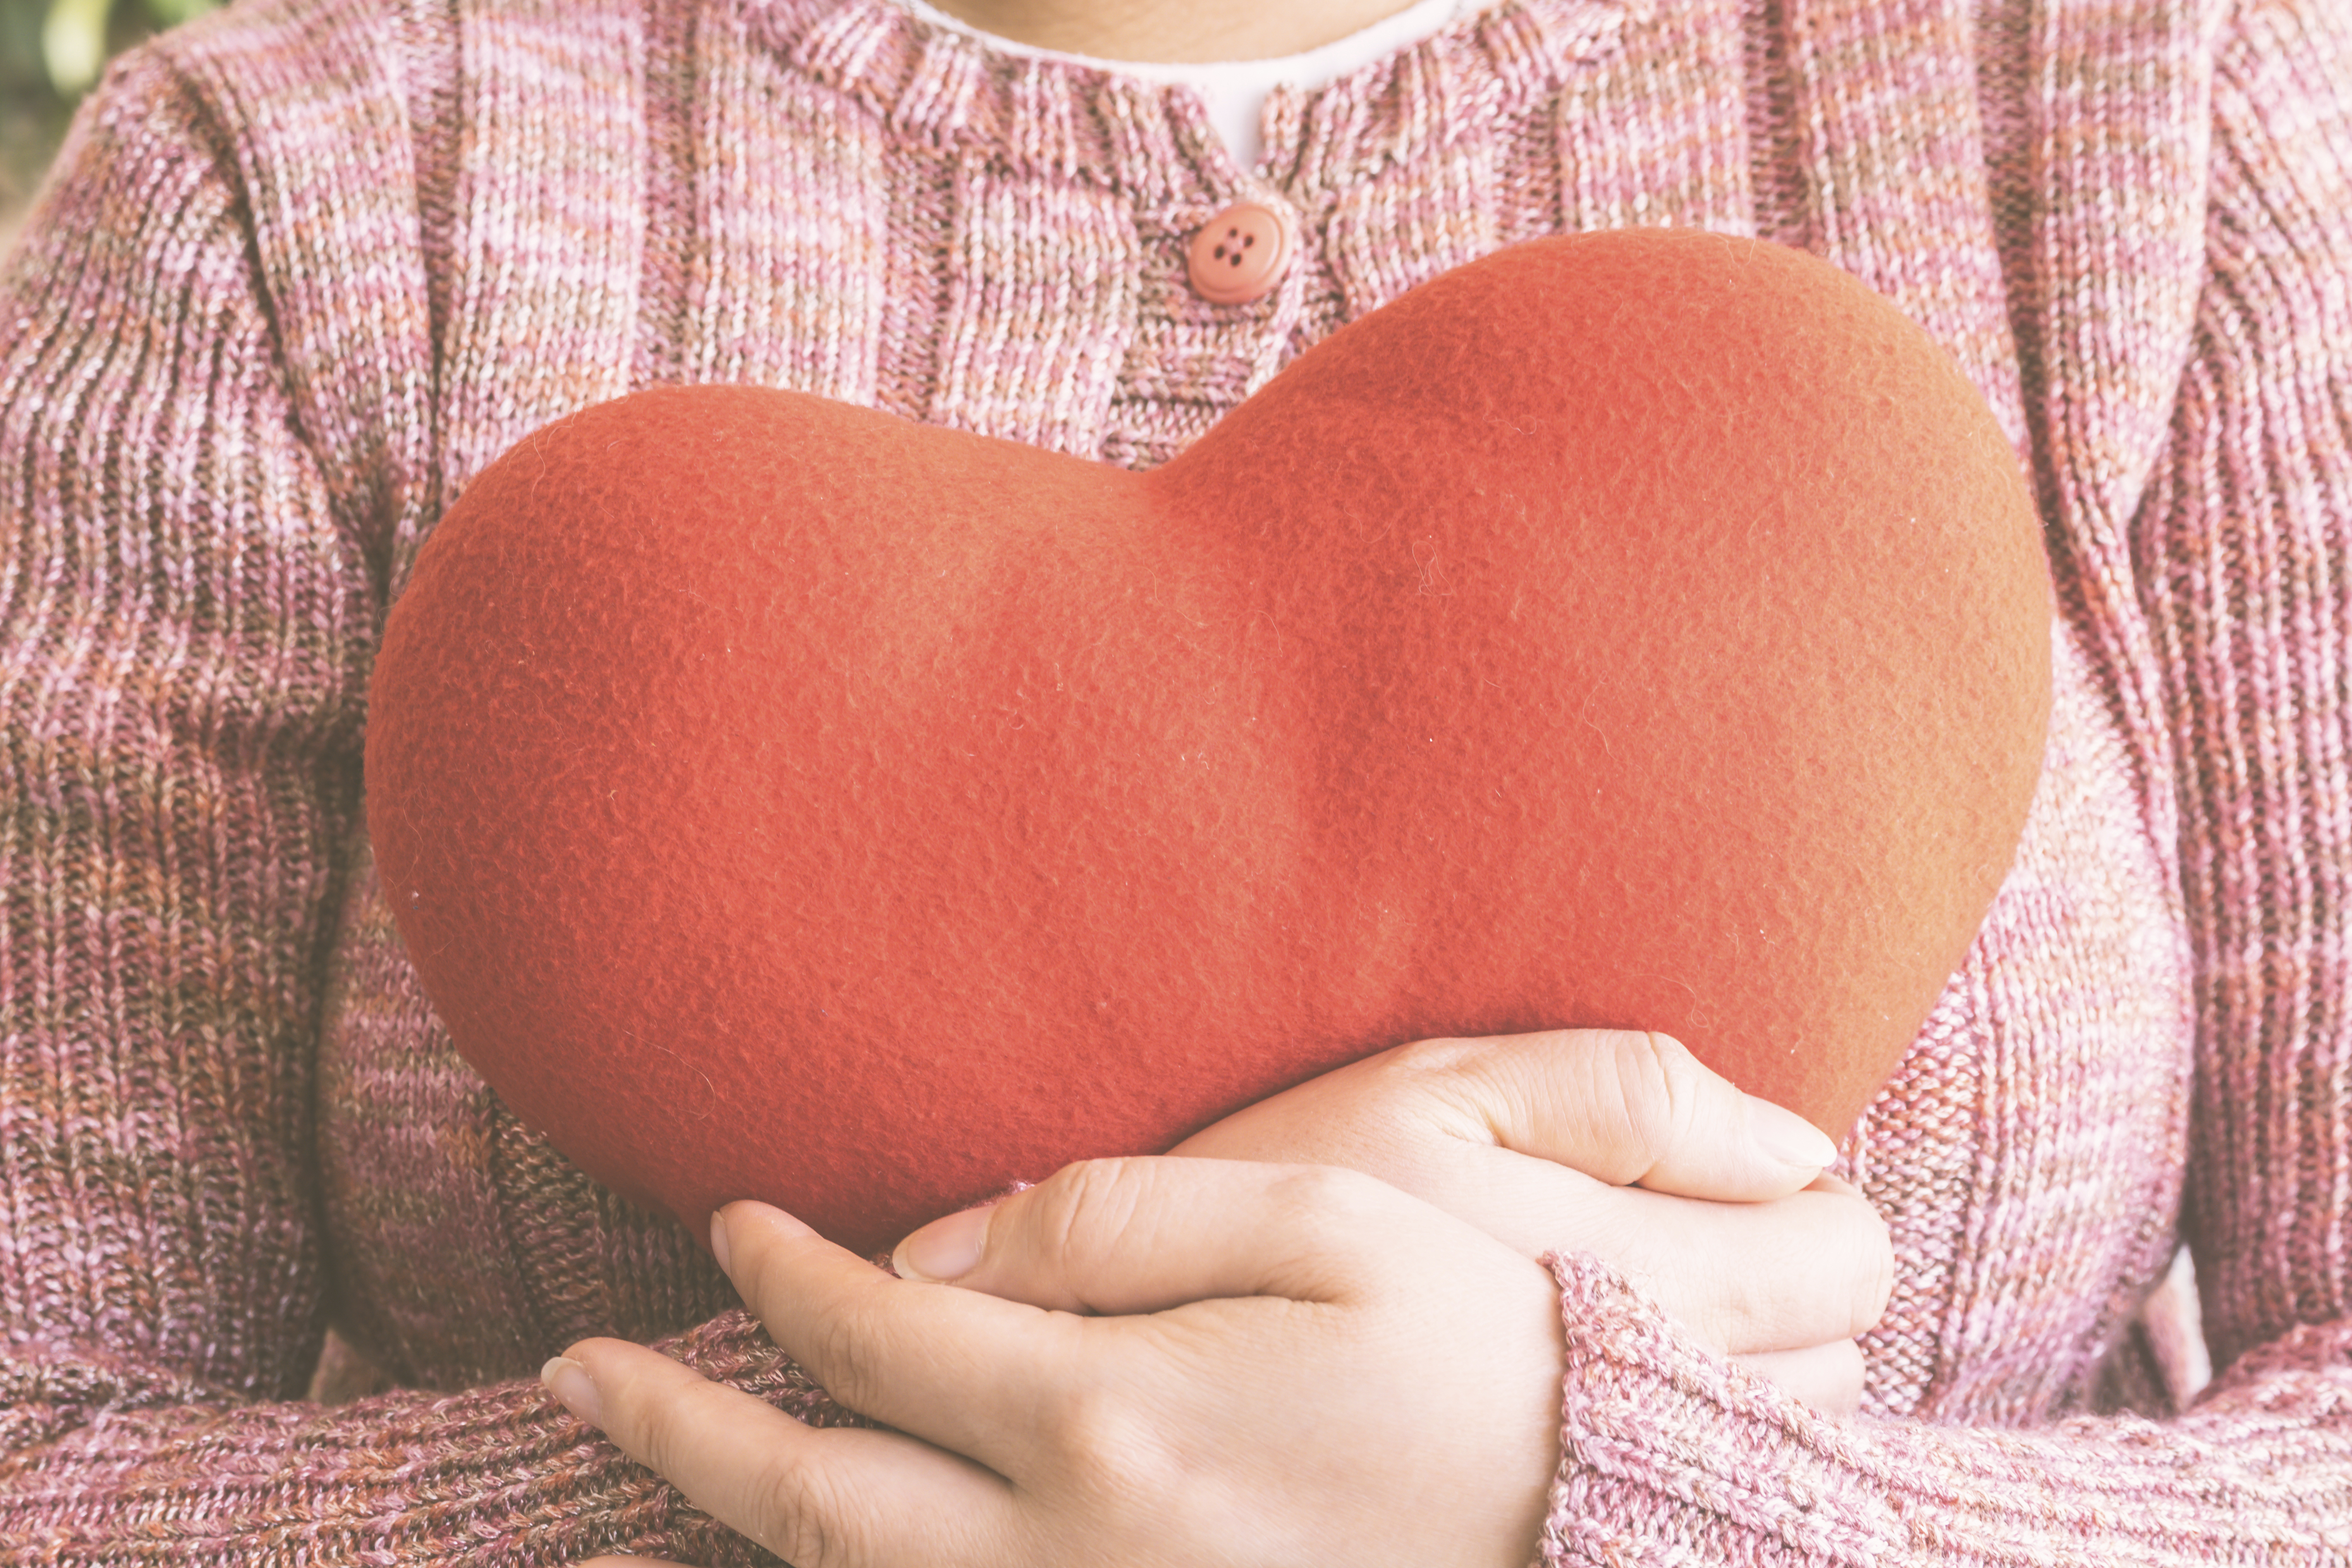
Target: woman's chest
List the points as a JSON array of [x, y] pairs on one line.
[[878, 218]]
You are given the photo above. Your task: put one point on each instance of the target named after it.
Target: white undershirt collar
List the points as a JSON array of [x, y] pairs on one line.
[[1235, 91]]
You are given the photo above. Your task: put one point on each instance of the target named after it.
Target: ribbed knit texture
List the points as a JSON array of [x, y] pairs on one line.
[[310, 264]]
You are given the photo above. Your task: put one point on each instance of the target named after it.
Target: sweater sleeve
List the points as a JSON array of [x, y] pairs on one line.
[[2242, 549], [186, 627]]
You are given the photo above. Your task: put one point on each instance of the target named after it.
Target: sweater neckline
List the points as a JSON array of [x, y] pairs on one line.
[[1235, 89], [1417, 20], [1153, 139]]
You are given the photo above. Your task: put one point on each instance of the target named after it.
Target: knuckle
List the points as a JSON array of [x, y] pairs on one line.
[[793, 1511], [1108, 1447], [845, 1358], [1432, 1050], [1084, 1212], [1430, 1072], [1322, 1195], [1839, 1376], [1874, 1270], [1680, 1255], [1657, 1088], [1734, 1309], [1474, 1091], [1743, 1289], [1821, 1267], [1848, 1250], [1423, 1058]]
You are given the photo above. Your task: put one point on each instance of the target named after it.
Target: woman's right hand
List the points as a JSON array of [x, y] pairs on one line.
[[1622, 1144]]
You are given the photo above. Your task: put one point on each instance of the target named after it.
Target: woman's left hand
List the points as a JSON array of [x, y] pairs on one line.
[[1290, 1364]]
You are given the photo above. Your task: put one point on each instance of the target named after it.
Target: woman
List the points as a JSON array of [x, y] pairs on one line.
[[308, 267]]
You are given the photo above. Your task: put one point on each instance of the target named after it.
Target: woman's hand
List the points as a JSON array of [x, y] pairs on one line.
[[1292, 1364], [1619, 1143]]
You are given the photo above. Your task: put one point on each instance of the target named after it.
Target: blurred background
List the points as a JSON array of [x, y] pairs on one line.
[[51, 52]]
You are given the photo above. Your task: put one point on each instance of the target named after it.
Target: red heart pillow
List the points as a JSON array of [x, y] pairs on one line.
[[783, 799]]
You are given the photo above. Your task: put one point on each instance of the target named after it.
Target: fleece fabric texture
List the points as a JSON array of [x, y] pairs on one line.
[[784, 800], [309, 266]]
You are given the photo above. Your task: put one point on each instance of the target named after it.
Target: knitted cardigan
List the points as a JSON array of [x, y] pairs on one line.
[[307, 265]]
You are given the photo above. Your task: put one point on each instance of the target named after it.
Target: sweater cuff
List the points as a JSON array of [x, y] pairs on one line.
[[499, 1473], [1671, 1455]]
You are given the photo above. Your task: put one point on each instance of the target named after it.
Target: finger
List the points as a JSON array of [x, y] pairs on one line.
[[953, 1368], [1808, 1270], [843, 1496], [1627, 1106], [1137, 1235], [1827, 1377], [1746, 1277]]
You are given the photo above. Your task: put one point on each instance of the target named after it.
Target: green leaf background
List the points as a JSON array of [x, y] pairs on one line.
[[51, 52]]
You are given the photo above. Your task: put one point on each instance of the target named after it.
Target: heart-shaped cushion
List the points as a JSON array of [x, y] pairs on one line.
[[781, 799]]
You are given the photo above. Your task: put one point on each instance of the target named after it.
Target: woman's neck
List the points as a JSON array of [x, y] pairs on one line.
[[1172, 31]]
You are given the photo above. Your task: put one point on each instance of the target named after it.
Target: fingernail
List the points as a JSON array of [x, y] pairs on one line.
[[1787, 1136], [718, 1240], [944, 1249], [569, 1382]]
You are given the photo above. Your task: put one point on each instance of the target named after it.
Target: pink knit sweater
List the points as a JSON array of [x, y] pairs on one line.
[[309, 264]]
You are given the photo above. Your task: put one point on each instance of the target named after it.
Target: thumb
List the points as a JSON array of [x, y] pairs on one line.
[[1629, 1107], [1143, 1235]]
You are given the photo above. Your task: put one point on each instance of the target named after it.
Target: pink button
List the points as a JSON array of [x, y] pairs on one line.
[[1240, 254]]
